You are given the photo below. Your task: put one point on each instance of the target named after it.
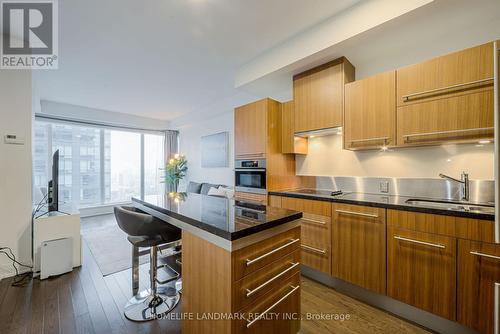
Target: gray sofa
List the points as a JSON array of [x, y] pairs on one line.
[[201, 188]]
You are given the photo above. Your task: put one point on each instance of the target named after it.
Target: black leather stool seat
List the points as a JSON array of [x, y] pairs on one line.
[[139, 241]]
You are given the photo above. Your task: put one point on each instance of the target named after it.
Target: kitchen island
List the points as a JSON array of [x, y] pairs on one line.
[[240, 263]]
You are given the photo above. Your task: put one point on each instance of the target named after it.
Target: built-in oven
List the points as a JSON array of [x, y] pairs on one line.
[[250, 176]]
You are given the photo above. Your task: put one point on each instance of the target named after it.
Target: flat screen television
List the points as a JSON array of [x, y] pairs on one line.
[[53, 189]]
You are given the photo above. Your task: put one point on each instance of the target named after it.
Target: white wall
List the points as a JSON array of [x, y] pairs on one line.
[[327, 158], [79, 113], [15, 167], [190, 136]]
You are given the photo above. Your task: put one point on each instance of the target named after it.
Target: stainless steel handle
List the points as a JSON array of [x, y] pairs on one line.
[[485, 255], [252, 261], [352, 213], [425, 243], [438, 90], [496, 121], [369, 139], [237, 169], [496, 320], [314, 249], [251, 292], [261, 315], [406, 137], [314, 221]]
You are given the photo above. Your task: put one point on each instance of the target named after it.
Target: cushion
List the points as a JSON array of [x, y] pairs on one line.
[[205, 187], [193, 187], [229, 192], [216, 192]]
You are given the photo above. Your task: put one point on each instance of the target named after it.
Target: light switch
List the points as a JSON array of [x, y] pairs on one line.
[[14, 139]]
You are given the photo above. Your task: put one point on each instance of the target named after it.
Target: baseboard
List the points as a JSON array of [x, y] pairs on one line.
[[12, 273], [100, 210], [402, 310]]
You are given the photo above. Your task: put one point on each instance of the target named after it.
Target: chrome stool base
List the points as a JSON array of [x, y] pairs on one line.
[[145, 307]]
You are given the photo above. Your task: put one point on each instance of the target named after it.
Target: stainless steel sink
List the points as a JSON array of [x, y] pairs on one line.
[[451, 205]]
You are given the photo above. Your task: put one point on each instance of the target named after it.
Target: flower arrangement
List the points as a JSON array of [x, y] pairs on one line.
[[176, 170]]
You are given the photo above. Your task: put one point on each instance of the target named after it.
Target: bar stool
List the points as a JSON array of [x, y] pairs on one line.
[[144, 230]]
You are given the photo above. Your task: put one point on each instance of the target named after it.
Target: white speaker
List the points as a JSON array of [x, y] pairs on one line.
[[56, 257]]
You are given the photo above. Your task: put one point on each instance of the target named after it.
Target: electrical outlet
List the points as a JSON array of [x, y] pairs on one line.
[[384, 186]]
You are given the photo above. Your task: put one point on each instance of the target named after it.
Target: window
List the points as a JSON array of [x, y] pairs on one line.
[[96, 165]]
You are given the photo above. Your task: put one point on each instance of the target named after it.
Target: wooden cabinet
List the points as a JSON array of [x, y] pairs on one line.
[[315, 231], [250, 128], [478, 282], [421, 270], [370, 112], [358, 246], [289, 142], [449, 98], [318, 95]]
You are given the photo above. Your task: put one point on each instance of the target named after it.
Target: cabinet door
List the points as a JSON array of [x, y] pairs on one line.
[[289, 142], [421, 270], [478, 278], [370, 112], [358, 246], [449, 98], [250, 130], [315, 225], [319, 94]]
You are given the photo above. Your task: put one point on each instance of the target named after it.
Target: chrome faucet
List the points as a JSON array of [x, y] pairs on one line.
[[464, 181]]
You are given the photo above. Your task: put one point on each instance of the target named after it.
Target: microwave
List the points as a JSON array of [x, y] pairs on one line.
[[250, 176]]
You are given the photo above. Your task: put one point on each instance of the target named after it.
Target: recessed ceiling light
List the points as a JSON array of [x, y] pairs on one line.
[[311, 136], [384, 148], [484, 141]]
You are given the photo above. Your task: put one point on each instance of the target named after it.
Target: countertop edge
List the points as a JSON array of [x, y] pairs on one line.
[[435, 211]]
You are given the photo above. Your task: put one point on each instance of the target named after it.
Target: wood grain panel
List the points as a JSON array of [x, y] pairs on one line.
[[320, 208], [279, 268], [207, 283], [422, 275], [319, 94], [465, 228], [274, 201], [240, 268], [460, 67], [370, 112], [252, 197], [477, 276], [290, 143], [277, 321], [358, 246], [250, 125]]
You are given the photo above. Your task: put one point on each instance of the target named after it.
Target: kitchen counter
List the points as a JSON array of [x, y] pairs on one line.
[[383, 201], [216, 216]]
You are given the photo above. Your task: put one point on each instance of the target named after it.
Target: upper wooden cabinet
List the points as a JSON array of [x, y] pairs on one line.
[[478, 282], [370, 112], [449, 98], [289, 142], [250, 128], [318, 95]]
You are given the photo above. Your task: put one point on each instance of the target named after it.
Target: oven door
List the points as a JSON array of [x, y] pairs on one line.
[[251, 180]]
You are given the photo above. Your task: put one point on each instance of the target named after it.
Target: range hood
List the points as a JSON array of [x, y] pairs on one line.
[[319, 133]]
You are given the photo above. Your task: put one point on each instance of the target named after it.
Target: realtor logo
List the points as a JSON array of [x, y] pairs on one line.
[[29, 35]]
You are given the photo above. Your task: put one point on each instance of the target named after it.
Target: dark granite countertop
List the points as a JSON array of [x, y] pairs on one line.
[[225, 218], [382, 201]]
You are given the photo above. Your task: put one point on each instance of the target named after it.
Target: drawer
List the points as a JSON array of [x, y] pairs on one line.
[[276, 312], [260, 254], [316, 230], [309, 207], [316, 257], [258, 198], [254, 286]]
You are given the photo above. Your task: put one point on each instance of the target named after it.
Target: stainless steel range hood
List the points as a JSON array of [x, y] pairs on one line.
[[319, 133]]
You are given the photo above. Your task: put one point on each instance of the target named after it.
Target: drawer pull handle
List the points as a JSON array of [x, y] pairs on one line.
[[252, 261], [496, 320], [251, 292], [263, 314], [419, 242], [317, 250], [431, 92], [314, 221], [407, 137], [485, 255], [356, 214]]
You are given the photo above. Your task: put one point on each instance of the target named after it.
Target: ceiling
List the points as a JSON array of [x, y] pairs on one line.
[[165, 59]]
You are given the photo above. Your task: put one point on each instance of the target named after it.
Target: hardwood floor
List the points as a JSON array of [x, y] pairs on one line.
[[84, 301]]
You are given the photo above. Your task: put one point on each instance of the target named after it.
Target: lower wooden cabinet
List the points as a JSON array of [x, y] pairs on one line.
[[421, 270], [358, 246], [478, 282]]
